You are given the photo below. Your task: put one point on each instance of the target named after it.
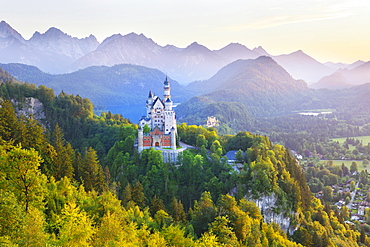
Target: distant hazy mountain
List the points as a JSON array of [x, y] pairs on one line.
[[188, 64], [344, 78], [107, 87], [337, 66], [52, 51], [360, 74], [355, 64], [262, 85], [57, 52], [235, 51], [118, 49], [261, 51], [262, 73], [7, 32], [55, 41], [334, 81], [302, 66]]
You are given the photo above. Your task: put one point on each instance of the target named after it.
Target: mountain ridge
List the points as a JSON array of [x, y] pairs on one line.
[[52, 51], [187, 64], [108, 88], [345, 77], [260, 84]]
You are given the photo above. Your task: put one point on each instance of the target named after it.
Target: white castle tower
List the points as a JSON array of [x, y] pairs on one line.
[[158, 128]]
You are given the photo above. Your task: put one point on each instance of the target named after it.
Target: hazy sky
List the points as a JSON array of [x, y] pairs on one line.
[[332, 30]]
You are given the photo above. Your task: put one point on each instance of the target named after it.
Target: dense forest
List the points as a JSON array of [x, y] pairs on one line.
[[71, 178]]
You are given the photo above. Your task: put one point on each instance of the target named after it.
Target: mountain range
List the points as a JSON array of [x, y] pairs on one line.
[[121, 88], [56, 52], [346, 77], [258, 87], [238, 94], [52, 51]]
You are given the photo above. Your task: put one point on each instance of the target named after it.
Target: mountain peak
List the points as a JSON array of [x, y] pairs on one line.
[[51, 34], [236, 47], [134, 37], [7, 31], [92, 38], [196, 46], [261, 51], [265, 59], [298, 52], [111, 38], [55, 32], [236, 44]]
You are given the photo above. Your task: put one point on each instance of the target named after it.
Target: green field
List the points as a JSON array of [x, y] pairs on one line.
[[365, 139], [348, 163]]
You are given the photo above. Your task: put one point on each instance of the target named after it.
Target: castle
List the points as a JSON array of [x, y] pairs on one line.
[[158, 128]]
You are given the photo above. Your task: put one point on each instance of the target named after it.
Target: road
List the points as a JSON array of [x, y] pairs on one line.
[[353, 196]]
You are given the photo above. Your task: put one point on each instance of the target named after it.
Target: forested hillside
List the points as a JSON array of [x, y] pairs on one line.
[[71, 178], [262, 85], [119, 85]]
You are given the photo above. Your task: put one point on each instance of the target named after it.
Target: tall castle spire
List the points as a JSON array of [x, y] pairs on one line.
[[167, 90]]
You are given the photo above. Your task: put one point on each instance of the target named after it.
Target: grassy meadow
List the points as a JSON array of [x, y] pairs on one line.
[[348, 163], [365, 139]]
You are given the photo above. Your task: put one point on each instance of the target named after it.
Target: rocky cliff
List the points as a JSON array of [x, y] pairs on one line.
[[271, 213]]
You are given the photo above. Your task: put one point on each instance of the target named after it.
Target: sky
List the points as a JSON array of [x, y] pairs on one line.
[[327, 30]]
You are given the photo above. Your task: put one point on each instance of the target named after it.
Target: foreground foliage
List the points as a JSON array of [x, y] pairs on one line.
[[57, 190]]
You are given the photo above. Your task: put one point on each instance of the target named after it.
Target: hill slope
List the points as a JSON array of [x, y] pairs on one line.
[[346, 77], [302, 66], [107, 87], [261, 85]]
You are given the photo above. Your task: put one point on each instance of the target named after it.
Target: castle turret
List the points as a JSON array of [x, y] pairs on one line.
[[173, 138], [167, 90], [149, 102], [168, 104], [140, 139]]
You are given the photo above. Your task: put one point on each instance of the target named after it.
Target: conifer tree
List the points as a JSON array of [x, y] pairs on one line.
[[177, 211], [92, 172], [63, 161], [204, 212], [127, 194], [138, 194], [156, 205], [8, 121]]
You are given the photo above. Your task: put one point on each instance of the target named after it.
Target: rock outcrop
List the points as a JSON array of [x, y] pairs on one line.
[[30, 107], [271, 213]]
